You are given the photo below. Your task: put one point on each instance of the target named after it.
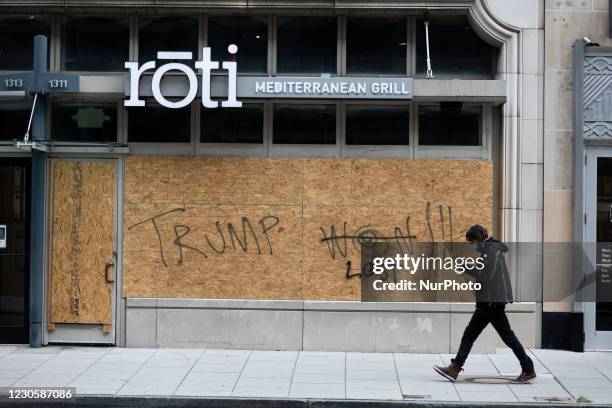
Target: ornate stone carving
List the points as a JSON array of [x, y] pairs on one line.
[[597, 93], [597, 130]]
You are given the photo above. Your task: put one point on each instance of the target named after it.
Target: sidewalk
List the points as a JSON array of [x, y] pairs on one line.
[[563, 377]]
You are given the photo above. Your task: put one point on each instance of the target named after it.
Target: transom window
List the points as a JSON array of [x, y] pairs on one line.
[[14, 118], [450, 124], [250, 34], [317, 128], [275, 45], [238, 125], [84, 122], [17, 40], [377, 125], [455, 49], [307, 45], [155, 34], [95, 43], [377, 46], [304, 124], [156, 124]]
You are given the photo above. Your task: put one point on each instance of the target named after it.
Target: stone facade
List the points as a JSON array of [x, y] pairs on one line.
[[566, 21]]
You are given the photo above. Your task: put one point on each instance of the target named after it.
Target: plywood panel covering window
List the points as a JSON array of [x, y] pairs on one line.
[[263, 228]]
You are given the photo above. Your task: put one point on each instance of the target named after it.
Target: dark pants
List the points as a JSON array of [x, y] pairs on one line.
[[495, 314]]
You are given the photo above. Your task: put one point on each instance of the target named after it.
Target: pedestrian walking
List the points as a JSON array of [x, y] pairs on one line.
[[491, 300]]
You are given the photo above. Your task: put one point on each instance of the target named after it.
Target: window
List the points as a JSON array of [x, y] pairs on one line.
[[455, 49], [304, 124], [72, 122], [17, 40], [233, 125], [377, 125], [450, 124], [157, 124], [95, 43], [167, 34], [14, 119], [376, 46], [307, 45], [250, 34]]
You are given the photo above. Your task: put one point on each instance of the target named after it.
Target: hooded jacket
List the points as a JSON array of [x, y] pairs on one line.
[[494, 276]]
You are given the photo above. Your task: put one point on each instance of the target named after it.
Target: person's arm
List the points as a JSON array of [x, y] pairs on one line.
[[474, 272]]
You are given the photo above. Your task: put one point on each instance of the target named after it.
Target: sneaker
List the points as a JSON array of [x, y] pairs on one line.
[[525, 376], [450, 373]]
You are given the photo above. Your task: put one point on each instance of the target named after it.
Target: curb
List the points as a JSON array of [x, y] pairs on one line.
[[204, 402]]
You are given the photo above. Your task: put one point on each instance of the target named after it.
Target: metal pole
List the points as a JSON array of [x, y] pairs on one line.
[[39, 167], [429, 70]]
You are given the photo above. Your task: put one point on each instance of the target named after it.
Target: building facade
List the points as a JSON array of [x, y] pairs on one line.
[[213, 176], [576, 167]]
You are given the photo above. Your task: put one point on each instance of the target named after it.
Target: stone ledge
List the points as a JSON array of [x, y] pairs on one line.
[[315, 305]]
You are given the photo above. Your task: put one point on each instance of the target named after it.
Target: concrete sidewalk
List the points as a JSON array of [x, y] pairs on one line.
[[563, 377]]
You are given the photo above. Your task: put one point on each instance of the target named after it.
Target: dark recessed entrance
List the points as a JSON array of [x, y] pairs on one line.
[[14, 248]]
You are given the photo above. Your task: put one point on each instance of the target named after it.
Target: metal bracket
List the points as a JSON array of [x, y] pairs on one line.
[[29, 146]]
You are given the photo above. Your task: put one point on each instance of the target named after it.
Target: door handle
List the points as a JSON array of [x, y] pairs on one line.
[[108, 272]]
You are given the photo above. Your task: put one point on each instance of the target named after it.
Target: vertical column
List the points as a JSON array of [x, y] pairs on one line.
[[37, 229]]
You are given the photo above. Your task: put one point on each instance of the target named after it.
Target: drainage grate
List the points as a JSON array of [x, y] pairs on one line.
[[553, 399], [416, 397], [490, 380]]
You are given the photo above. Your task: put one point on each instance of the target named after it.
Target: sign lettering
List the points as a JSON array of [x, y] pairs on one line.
[[206, 65]]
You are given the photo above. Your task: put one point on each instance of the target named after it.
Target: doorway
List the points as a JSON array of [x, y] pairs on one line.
[[14, 249], [83, 251], [598, 205]]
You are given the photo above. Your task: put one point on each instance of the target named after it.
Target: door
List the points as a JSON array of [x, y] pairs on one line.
[[14, 249], [598, 205], [83, 225]]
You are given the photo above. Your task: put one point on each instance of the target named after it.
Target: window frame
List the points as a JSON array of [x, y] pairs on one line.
[[52, 18], [447, 76], [270, 49], [483, 151], [154, 148], [340, 54], [234, 149], [86, 99], [410, 45], [24, 102], [340, 149], [303, 150], [390, 151], [61, 49], [135, 25]]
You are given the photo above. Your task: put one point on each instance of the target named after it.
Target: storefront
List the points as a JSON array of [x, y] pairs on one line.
[[212, 178], [593, 195]]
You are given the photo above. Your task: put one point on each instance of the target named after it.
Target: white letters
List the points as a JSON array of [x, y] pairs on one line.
[[135, 74], [156, 85], [206, 65], [232, 69]]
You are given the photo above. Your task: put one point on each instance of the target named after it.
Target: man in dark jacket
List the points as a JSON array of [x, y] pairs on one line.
[[491, 301]]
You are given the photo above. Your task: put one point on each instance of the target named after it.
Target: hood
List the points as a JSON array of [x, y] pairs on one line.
[[492, 243]]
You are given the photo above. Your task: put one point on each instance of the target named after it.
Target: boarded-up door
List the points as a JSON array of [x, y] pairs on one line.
[[82, 263]]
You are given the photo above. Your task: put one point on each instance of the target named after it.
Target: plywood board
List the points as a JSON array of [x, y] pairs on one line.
[[265, 228], [82, 241]]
